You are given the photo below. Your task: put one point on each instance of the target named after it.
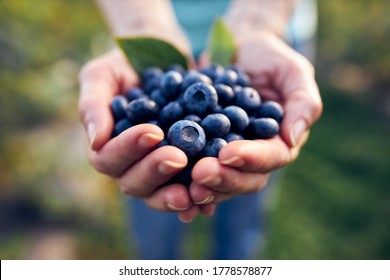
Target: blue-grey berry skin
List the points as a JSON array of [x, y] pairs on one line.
[[213, 146], [239, 119], [262, 128], [170, 113], [187, 136], [142, 110], [157, 97], [170, 84], [118, 107], [193, 77], [177, 67], [225, 93], [232, 136], [243, 80], [121, 126], [135, 93], [200, 99], [151, 73], [213, 71], [216, 125], [229, 77], [193, 118], [271, 109], [248, 99], [183, 177]]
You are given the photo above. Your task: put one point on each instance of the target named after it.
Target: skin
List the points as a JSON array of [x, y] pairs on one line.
[[242, 167]]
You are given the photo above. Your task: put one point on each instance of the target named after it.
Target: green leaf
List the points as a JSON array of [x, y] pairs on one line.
[[221, 44], [145, 52]]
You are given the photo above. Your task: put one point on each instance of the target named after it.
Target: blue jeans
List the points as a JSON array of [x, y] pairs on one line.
[[236, 230]]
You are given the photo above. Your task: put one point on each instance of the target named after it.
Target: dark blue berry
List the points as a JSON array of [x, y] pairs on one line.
[[262, 128], [231, 136], [225, 93], [135, 93], [163, 143], [248, 99], [216, 125], [157, 97], [118, 107], [141, 110], [151, 84], [151, 73], [192, 77], [239, 119], [183, 177], [200, 99], [213, 71], [170, 113], [243, 79], [177, 68], [213, 146], [170, 84], [271, 109], [229, 77], [121, 126], [193, 118], [187, 136]]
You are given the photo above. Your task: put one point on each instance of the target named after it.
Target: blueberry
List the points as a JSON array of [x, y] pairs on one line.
[[141, 110], [213, 146], [170, 84], [271, 109], [187, 136], [239, 119], [151, 84], [248, 99], [157, 97], [170, 113], [216, 125], [243, 79], [135, 93], [231, 136], [229, 77], [225, 94], [183, 177], [192, 77], [213, 71], [218, 109], [193, 118], [163, 143], [151, 73], [263, 128], [121, 126], [200, 99], [118, 107]]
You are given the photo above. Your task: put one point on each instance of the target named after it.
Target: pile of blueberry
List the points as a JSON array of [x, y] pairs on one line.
[[199, 111]]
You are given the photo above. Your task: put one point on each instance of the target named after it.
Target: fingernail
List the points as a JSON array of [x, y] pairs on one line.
[[297, 131], [168, 167], [207, 200], [149, 140], [211, 180], [234, 161], [174, 208], [185, 221], [91, 133]]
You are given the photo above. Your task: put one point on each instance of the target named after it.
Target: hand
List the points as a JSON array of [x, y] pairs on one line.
[[131, 157], [280, 74]]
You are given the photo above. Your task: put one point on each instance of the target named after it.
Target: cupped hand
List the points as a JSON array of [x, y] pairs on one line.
[[131, 157], [279, 73]]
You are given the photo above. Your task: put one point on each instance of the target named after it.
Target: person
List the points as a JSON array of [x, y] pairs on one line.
[[227, 187]]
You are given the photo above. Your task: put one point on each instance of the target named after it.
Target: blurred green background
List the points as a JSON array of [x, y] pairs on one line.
[[333, 202]]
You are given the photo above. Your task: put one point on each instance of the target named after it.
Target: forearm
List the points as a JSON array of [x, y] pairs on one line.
[[247, 16], [133, 17]]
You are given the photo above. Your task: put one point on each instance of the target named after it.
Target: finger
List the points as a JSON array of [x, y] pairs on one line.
[[188, 215], [170, 198], [153, 170], [258, 155], [302, 101], [208, 209], [100, 80], [125, 149], [221, 178], [202, 195]]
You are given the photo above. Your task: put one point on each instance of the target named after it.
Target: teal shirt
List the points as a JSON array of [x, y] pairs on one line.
[[196, 17]]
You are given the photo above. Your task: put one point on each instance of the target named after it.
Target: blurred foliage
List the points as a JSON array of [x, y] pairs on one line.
[[333, 203]]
